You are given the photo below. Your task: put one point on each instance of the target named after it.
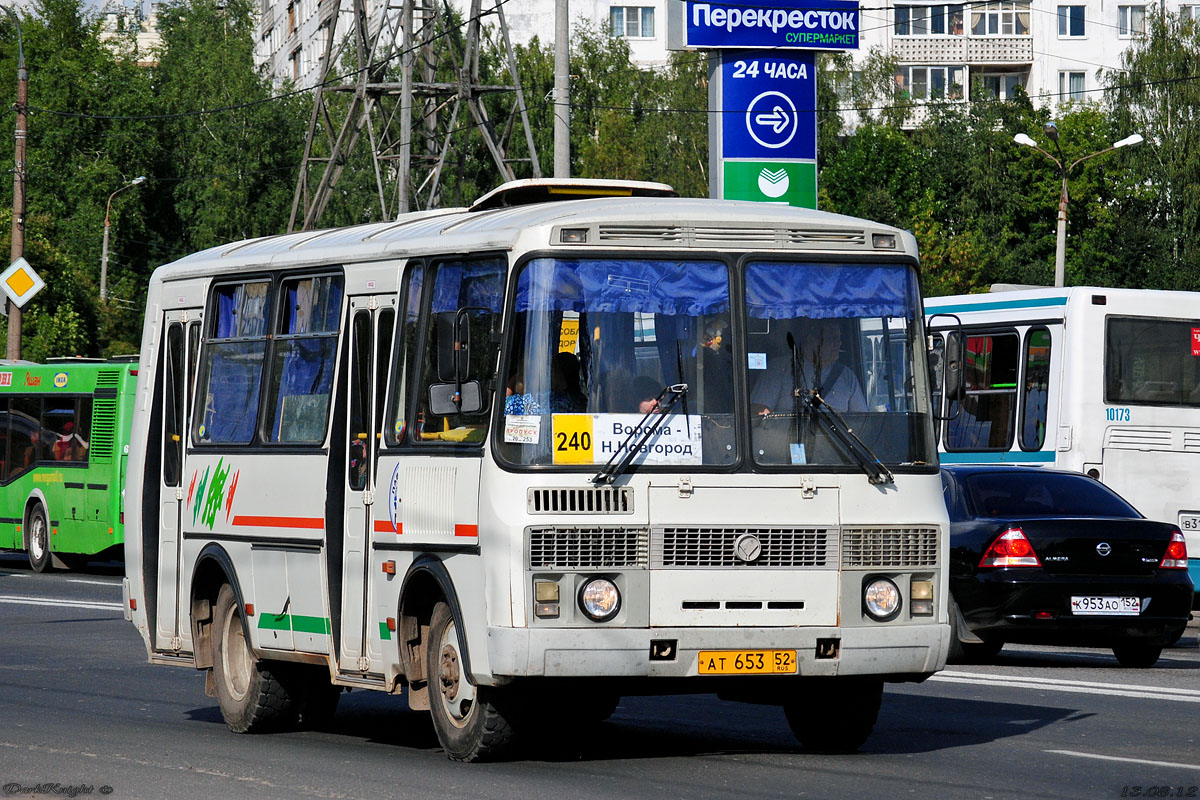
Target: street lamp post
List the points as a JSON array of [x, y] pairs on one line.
[[1060, 248], [104, 247], [18, 212]]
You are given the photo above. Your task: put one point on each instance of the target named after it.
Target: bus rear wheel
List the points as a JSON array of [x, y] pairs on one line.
[[254, 695], [835, 717], [37, 540], [467, 718]]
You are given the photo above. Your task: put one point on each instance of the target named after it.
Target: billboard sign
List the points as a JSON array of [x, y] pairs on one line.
[[794, 24]]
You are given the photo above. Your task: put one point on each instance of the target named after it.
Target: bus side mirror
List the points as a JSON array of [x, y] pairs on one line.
[[453, 347], [449, 399]]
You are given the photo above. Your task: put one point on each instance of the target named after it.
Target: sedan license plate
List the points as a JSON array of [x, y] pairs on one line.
[[1106, 606], [746, 662]]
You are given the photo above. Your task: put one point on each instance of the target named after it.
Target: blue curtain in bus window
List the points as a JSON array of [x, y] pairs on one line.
[[230, 405], [688, 288], [475, 283], [241, 310], [305, 350], [786, 291]]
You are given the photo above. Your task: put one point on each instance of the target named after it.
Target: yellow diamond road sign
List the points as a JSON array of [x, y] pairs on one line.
[[21, 283]]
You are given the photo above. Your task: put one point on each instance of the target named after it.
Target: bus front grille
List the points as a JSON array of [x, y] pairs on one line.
[[696, 547], [873, 548], [587, 548]]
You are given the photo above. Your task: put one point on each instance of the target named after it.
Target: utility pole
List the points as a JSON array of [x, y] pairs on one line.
[[562, 89], [419, 37], [18, 212]]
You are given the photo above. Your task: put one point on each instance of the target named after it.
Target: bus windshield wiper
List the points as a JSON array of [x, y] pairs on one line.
[[662, 407], [877, 473]]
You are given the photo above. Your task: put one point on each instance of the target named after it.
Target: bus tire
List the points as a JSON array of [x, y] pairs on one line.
[[254, 696], [467, 718], [37, 539], [835, 717]]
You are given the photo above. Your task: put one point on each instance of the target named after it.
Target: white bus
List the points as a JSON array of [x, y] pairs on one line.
[[1102, 381], [504, 460]]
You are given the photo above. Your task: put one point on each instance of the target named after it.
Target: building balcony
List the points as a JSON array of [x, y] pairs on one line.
[[972, 50]]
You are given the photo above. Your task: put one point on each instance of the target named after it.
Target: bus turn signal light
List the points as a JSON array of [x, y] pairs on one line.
[[389, 567], [1176, 557], [1010, 549]]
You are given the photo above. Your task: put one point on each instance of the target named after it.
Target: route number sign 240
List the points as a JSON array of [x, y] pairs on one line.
[[778, 70]]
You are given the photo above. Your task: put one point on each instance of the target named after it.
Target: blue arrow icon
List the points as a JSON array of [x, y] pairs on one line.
[[774, 128]]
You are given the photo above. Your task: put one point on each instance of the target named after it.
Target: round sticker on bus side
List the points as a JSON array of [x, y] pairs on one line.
[[394, 499], [60, 380]]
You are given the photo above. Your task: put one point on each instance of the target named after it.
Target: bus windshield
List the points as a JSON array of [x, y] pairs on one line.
[[597, 342], [1152, 362]]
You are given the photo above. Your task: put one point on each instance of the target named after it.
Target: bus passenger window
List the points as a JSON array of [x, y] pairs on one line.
[[1037, 379], [302, 360], [233, 360], [985, 418]]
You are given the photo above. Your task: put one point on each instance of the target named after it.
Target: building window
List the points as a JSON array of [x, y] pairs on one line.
[[1189, 13], [931, 83], [1000, 19], [1131, 20], [1070, 20], [938, 20], [291, 18], [295, 59], [999, 85], [632, 22], [1071, 86]]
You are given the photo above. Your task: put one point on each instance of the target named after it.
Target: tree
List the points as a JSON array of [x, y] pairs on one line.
[[1156, 93]]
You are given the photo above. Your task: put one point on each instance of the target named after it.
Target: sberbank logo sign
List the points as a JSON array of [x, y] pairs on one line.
[[792, 183], [815, 24]]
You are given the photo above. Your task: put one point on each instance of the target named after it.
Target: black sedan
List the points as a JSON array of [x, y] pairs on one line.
[[1041, 556]]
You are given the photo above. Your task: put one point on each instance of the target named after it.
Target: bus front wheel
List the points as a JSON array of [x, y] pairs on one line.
[[37, 540], [254, 695], [835, 717], [467, 718]]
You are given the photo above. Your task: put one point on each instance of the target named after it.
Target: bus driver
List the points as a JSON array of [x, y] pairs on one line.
[[819, 344]]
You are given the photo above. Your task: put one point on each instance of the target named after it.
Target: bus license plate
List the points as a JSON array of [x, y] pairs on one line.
[[746, 662], [1106, 606], [1189, 522]]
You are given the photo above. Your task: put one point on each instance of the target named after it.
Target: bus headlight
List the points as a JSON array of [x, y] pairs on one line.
[[881, 599], [600, 599]]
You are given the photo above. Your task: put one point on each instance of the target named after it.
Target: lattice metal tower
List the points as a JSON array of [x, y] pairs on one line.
[[412, 127]]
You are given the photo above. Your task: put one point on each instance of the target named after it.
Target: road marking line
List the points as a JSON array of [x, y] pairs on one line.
[[985, 677], [1126, 760], [93, 583], [60, 601], [1144, 693]]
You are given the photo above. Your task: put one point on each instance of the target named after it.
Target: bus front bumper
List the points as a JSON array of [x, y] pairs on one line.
[[902, 650]]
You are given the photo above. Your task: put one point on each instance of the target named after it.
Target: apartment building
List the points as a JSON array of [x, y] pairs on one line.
[[1056, 51]]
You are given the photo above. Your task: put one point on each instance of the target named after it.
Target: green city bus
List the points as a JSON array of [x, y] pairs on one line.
[[64, 440]]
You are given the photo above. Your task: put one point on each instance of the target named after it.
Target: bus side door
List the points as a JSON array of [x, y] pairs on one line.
[[181, 340], [369, 327]]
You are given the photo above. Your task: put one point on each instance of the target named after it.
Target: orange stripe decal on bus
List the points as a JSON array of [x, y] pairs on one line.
[[385, 526], [466, 530], [307, 523]]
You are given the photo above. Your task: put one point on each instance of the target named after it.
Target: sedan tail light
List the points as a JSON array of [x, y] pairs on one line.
[[1010, 549], [1176, 557]]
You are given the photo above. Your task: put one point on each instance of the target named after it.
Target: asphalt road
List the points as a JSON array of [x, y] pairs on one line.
[[81, 711]]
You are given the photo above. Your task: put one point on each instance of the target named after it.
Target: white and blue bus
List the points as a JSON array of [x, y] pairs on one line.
[[1101, 381], [519, 460]]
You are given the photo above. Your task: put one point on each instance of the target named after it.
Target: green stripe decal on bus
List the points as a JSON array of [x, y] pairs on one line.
[[999, 305], [384, 633], [294, 622], [1006, 457]]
